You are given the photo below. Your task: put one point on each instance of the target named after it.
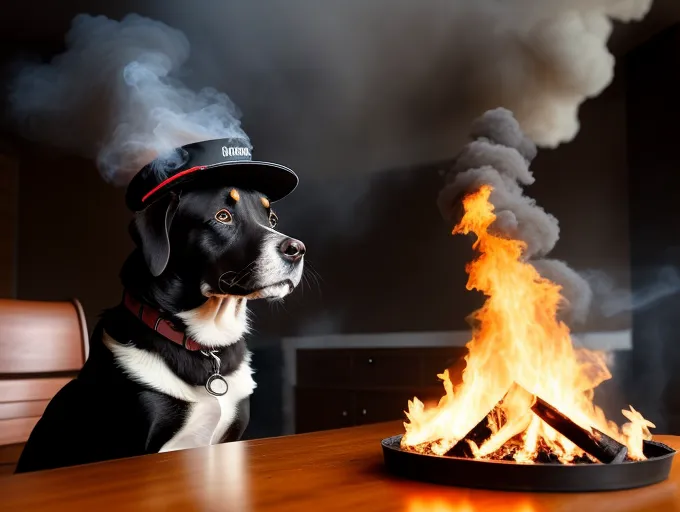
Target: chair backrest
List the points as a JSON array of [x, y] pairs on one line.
[[42, 346]]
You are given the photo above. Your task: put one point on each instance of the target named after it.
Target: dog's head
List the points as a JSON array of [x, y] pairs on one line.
[[207, 251]]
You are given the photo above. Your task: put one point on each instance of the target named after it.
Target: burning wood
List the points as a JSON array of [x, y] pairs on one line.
[[596, 443], [484, 441], [464, 447]]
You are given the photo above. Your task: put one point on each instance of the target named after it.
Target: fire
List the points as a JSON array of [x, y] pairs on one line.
[[517, 338]]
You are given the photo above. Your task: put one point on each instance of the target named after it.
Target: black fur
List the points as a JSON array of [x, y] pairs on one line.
[[103, 414]]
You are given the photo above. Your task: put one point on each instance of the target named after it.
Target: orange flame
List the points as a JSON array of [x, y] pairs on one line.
[[516, 338]]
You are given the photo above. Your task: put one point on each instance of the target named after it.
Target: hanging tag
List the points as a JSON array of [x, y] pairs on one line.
[[216, 385]]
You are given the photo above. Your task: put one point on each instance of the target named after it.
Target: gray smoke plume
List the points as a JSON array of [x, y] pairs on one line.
[[397, 82], [115, 96], [340, 87], [611, 300], [500, 155]]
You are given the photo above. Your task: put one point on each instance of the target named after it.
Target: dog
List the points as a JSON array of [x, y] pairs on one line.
[[168, 367]]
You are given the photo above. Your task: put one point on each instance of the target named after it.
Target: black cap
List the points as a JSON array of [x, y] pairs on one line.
[[225, 161]]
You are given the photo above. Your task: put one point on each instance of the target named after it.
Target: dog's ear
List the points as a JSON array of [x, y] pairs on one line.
[[153, 232]]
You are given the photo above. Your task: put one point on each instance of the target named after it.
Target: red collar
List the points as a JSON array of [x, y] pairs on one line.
[[153, 319]]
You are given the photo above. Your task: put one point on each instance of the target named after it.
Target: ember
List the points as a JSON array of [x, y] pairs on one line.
[[548, 415]]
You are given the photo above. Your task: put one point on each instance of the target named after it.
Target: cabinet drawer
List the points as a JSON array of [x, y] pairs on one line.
[[386, 367], [377, 406], [331, 368], [323, 409], [377, 368]]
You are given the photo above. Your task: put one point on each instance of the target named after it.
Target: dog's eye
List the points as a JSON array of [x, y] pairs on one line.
[[273, 219], [223, 216]]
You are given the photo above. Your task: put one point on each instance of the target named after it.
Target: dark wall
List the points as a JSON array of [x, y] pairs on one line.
[[388, 262], [386, 259], [653, 77], [72, 232]]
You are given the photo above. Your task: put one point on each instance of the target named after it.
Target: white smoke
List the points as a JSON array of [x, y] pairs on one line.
[[500, 156], [612, 300], [397, 79], [548, 59], [400, 80], [551, 56], [115, 96]]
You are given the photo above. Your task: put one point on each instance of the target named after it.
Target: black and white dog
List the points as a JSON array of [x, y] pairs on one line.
[[168, 368]]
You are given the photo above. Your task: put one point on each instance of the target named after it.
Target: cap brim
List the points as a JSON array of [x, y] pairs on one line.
[[273, 180]]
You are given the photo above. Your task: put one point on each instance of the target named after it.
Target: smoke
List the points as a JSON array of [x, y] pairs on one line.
[[335, 89], [576, 290], [115, 96], [397, 82], [340, 88], [612, 300], [500, 156]]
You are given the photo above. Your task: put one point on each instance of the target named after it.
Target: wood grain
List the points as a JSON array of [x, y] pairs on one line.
[[38, 336], [10, 410], [335, 470], [9, 456], [18, 390], [16, 430]]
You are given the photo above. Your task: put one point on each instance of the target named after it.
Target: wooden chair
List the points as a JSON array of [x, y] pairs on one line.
[[42, 346]]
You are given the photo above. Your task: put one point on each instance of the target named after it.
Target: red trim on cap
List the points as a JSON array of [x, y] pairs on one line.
[[171, 179], [153, 319]]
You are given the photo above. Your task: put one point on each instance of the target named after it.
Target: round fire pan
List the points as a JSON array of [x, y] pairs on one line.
[[511, 476]]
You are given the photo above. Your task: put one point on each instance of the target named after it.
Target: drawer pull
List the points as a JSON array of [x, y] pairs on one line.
[[370, 360], [344, 413], [363, 412]]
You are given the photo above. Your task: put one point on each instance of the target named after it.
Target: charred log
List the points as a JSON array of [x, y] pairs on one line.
[[481, 432], [596, 443], [478, 435]]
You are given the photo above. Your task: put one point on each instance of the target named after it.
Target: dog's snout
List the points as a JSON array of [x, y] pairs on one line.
[[292, 250]]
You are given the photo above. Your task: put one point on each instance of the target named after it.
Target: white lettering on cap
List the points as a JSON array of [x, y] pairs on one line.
[[235, 151]]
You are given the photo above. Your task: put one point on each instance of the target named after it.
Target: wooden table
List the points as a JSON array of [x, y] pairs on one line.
[[320, 472]]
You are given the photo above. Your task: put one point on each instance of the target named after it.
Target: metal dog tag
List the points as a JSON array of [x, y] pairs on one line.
[[216, 385]]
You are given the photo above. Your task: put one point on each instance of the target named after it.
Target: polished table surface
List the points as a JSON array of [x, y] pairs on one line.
[[324, 471]]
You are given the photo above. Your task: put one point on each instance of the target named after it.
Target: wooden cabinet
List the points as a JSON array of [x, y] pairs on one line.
[[338, 388], [340, 380], [322, 409]]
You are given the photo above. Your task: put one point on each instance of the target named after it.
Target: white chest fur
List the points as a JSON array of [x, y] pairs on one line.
[[209, 417], [219, 322]]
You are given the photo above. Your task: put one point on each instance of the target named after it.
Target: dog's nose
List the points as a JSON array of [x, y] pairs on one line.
[[292, 250]]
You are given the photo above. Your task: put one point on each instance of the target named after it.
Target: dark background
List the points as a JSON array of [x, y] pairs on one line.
[[386, 259]]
